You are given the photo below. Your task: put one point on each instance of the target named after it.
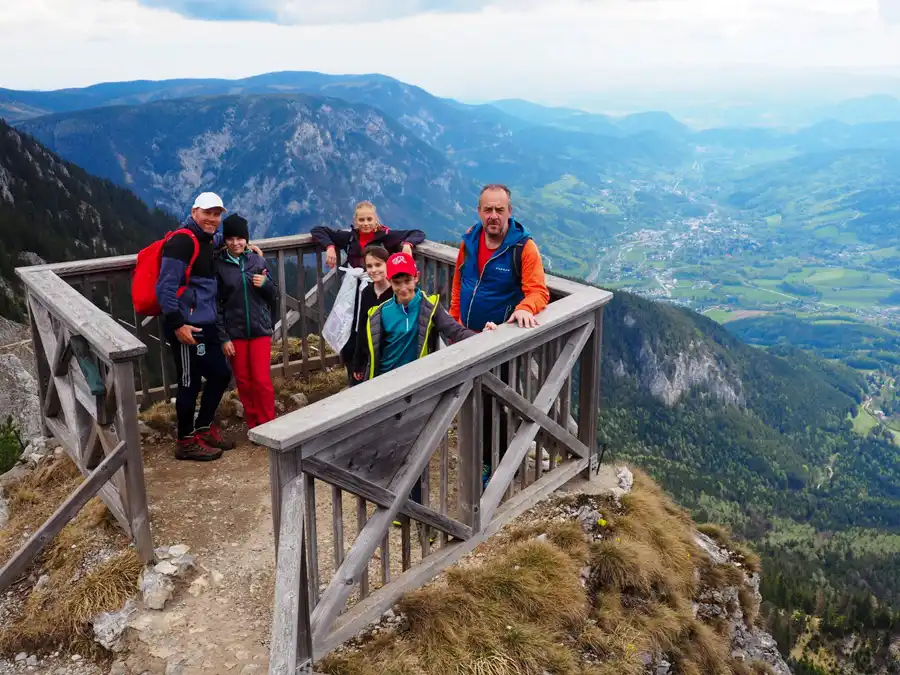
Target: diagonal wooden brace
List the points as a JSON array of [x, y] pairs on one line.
[[519, 445], [531, 413], [357, 559], [383, 497]]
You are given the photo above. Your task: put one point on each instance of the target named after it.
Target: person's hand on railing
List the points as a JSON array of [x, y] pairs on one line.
[[330, 257], [407, 248], [256, 249], [228, 348], [524, 318], [185, 334], [490, 325], [358, 377]]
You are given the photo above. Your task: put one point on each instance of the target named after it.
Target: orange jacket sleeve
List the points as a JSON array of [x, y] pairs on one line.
[[454, 290], [534, 285]]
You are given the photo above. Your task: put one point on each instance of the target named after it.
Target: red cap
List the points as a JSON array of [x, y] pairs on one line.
[[401, 263]]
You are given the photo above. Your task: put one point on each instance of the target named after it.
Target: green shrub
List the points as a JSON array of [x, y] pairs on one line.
[[11, 445]]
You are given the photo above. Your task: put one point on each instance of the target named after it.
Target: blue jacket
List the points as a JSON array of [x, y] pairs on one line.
[[493, 296], [197, 305]]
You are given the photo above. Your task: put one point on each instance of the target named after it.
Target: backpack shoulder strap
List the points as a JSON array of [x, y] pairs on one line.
[[187, 271], [517, 258]]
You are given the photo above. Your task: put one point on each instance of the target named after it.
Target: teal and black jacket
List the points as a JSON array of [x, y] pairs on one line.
[[430, 321], [244, 311]]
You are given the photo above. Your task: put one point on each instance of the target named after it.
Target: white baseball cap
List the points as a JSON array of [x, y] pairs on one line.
[[208, 200]]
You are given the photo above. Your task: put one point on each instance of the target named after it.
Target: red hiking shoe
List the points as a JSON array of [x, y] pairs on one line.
[[212, 437], [194, 449]]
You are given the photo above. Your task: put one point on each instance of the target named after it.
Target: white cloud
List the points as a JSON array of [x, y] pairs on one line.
[[536, 49]]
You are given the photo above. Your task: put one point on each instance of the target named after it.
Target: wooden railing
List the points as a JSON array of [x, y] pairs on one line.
[[379, 439], [106, 283], [370, 445], [98, 364], [85, 364]]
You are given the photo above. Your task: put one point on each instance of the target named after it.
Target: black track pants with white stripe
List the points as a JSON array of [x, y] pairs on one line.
[[193, 364]]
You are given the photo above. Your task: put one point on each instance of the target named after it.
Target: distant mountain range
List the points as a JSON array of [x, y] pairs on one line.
[[293, 149]]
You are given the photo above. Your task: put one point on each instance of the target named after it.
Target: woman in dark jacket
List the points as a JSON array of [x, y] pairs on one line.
[[366, 231], [247, 306]]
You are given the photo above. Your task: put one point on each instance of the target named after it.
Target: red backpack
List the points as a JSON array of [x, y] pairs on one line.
[[146, 274]]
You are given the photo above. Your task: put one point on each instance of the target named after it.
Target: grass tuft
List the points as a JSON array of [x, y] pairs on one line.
[[523, 611], [746, 556], [718, 533]]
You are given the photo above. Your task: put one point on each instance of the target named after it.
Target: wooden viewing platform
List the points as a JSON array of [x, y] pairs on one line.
[[99, 364]]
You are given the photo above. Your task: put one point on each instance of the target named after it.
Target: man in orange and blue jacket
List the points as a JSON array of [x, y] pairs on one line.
[[499, 278]]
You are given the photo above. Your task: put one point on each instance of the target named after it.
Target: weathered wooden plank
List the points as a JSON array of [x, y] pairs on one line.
[[445, 368], [444, 487], [320, 297], [282, 313], [361, 518], [589, 384], [425, 481], [312, 541], [471, 444], [144, 336], [371, 428], [302, 311], [341, 586], [405, 543], [291, 645], [518, 448], [126, 263], [527, 410], [337, 524], [40, 357], [63, 514], [136, 491], [366, 611], [110, 340], [383, 497]]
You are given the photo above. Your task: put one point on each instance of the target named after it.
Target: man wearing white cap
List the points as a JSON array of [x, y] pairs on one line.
[[186, 291]]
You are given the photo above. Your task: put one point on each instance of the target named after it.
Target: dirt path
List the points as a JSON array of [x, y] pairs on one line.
[[222, 510]]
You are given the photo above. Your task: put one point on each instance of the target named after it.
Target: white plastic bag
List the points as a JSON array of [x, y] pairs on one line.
[[342, 318]]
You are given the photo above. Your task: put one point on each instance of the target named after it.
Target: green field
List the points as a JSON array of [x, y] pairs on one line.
[[863, 423]]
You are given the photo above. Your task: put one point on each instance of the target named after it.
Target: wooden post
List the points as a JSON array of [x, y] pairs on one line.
[[291, 650], [282, 312], [123, 371], [40, 360], [471, 458], [589, 388]]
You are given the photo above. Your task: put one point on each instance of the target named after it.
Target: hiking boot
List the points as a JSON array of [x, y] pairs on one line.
[[213, 438], [193, 448]]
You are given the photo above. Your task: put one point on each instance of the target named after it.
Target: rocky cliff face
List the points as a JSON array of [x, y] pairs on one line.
[[285, 162]]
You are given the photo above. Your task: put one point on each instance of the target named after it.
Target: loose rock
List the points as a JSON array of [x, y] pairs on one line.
[[156, 588], [109, 627]]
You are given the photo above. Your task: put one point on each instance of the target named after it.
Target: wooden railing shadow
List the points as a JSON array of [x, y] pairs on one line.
[[376, 441]]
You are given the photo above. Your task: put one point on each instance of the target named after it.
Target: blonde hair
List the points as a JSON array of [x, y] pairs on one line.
[[364, 205]]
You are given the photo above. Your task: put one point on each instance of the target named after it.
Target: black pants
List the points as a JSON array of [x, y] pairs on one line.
[[347, 355], [487, 423], [193, 364]]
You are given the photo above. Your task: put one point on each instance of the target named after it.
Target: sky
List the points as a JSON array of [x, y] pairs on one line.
[[550, 51]]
